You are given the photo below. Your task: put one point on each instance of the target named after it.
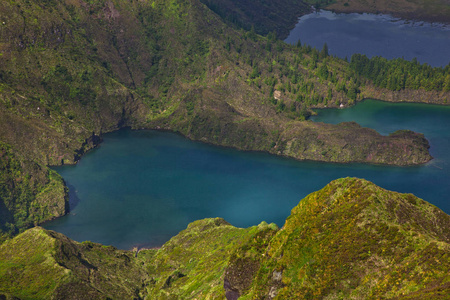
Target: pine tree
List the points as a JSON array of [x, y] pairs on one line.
[[324, 51]]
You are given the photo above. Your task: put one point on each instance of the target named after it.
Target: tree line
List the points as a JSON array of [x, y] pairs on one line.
[[399, 74]]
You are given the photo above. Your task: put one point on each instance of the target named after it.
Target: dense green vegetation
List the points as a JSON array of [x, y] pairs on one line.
[[40, 264], [263, 16], [29, 194], [351, 239], [399, 74], [72, 70], [192, 264]]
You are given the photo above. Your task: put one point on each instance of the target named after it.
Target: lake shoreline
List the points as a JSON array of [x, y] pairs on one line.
[[241, 187], [407, 17], [390, 37], [398, 10]]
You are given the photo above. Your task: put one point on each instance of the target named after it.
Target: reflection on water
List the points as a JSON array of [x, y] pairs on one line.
[[374, 35]]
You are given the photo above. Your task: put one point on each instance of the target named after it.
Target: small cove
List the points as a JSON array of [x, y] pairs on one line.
[[143, 187], [374, 35]]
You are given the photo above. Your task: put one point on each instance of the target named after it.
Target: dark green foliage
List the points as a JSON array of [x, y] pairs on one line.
[[399, 74], [264, 16], [83, 70], [255, 73], [281, 106], [324, 51], [323, 72], [252, 34], [29, 193], [352, 93]]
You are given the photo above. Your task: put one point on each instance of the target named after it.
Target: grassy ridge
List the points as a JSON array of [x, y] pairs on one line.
[[39, 264], [351, 239], [72, 70], [191, 264], [354, 239]]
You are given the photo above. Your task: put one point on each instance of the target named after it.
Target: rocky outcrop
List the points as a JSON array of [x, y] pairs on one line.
[[350, 239], [355, 238]]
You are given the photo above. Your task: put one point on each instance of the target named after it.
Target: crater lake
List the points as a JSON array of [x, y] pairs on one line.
[[139, 188]]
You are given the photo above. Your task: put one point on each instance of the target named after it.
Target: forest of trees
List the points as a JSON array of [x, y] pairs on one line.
[[398, 74]]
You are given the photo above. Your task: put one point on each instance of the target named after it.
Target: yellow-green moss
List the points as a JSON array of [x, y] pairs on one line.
[[354, 238], [351, 239], [28, 269]]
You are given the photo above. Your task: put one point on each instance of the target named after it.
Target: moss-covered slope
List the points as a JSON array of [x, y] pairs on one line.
[[192, 264], [351, 239], [72, 70], [41, 264], [29, 193]]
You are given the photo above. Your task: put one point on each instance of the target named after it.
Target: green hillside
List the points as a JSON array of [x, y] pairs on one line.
[[351, 239], [265, 17], [72, 70]]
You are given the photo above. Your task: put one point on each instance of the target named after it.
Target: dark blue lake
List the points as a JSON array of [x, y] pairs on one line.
[[143, 187], [374, 35]]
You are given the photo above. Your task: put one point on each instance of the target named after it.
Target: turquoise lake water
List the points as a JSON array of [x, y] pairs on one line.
[[374, 35], [142, 187]]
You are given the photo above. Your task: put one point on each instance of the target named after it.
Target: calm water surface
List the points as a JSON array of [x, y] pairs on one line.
[[143, 187], [374, 35]]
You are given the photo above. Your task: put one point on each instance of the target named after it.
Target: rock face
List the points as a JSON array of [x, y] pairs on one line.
[[352, 239]]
